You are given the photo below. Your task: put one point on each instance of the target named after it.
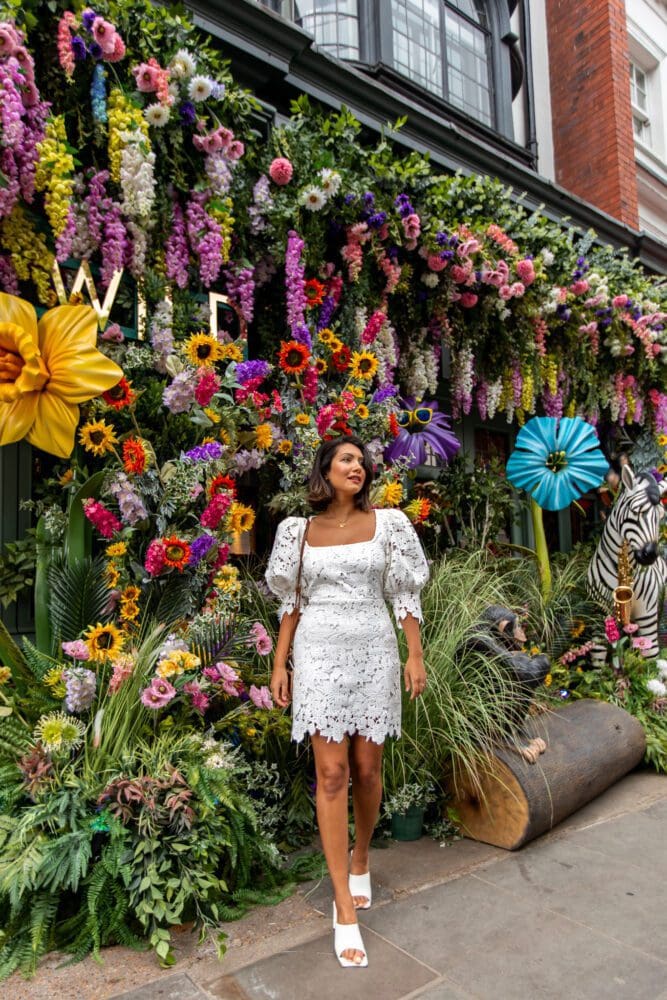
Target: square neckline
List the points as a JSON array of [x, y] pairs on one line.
[[341, 545]]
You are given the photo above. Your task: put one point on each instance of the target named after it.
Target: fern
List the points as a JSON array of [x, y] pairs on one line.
[[14, 737], [79, 597]]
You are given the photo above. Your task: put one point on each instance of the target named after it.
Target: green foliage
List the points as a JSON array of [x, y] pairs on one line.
[[79, 597], [17, 568]]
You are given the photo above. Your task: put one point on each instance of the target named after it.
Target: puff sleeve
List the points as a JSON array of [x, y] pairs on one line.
[[283, 568], [406, 569]]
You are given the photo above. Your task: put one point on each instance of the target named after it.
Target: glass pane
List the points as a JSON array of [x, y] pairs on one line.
[[416, 42], [474, 9], [468, 84], [334, 24]]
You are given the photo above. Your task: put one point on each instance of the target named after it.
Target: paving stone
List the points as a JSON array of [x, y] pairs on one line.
[[178, 987], [498, 946], [312, 971], [616, 898]]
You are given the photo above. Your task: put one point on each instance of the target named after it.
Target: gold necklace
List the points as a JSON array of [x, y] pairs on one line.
[[341, 524]]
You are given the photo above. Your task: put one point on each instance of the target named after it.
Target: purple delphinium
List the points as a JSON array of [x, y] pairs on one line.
[[88, 17], [245, 371], [383, 393], [199, 548], [187, 113], [245, 460], [295, 281], [208, 452], [326, 312], [79, 48], [129, 502]]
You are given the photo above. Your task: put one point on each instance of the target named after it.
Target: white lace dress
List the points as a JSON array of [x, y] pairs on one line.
[[347, 676]]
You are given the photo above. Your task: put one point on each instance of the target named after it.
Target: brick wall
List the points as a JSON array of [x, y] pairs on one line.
[[590, 97]]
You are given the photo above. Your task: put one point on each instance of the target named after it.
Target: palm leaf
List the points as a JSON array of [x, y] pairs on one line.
[[79, 597]]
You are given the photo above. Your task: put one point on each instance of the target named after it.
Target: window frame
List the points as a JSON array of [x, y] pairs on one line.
[[643, 115]]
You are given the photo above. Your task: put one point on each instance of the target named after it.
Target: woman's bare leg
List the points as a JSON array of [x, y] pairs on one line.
[[333, 778], [366, 768]]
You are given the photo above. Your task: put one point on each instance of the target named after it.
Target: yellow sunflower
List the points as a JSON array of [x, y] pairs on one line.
[[321, 366], [116, 550], [335, 345], [203, 349], [53, 679], [662, 440], [227, 580], [112, 576], [231, 352], [104, 642], [66, 478], [240, 517], [363, 365], [302, 419], [97, 436], [356, 391], [263, 436], [131, 594], [47, 368], [326, 335], [361, 411], [214, 417], [285, 447], [129, 611], [224, 436]]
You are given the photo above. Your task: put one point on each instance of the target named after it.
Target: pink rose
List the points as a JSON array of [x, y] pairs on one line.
[[412, 226], [579, 287], [118, 50], [505, 292], [526, 271], [459, 274], [281, 171], [435, 262], [468, 300], [518, 289], [620, 300]]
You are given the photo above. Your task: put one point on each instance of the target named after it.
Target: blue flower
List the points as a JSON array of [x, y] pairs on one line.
[[556, 461]]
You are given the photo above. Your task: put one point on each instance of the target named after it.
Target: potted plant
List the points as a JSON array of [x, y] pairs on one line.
[[405, 809]]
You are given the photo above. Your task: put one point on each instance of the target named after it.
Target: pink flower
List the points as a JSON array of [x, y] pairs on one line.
[[281, 171], [641, 642], [222, 672], [77, 649], [122, 669], [113, 333], [207, 386], [611, 630], [236, 150], [118, 50], [260, 639], [505, 292], [101, 518], [260, 697], [215, 510], [154, 561], [200, 701], [526, 271], [158, 694], [518, 290], [412, 226], [468, 300], [435, 262], [620, 300], [147, 77], [630, 628], [9, 40], [579, 287], [105, 35], [459, 274]]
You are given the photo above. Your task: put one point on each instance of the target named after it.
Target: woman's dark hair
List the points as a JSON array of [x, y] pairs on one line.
[[320, 492]]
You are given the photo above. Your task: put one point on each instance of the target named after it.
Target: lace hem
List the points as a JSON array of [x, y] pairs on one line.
[[286, 607], [334, 734], [406, 604]]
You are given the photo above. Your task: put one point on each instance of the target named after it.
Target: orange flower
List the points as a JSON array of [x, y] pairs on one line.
[[120, 396], [394, 429], [176, 553], [134, 456], [293, 357], [314, 290], [47, 368]]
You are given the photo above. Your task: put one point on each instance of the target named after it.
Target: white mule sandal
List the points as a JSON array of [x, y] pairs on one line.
[[360, 885], [347, 937]]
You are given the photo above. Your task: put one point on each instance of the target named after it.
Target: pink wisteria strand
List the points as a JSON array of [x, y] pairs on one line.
[[177, 255], [205, 236]]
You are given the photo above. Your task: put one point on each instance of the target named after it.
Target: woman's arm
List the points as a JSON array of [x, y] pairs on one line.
[[415, 672], [280, 685]]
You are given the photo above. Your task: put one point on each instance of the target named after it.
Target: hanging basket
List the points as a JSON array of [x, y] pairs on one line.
[[408, 825]]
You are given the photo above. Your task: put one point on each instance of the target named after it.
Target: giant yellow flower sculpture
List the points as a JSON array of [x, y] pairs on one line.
[[46, 369]]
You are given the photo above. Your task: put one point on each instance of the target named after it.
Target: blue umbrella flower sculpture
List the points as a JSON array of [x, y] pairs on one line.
[[556, 461]]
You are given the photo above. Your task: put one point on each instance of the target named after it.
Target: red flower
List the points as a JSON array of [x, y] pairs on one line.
[[341, 358], [134, 456], [120, 396], [176, 553], [222, 483], [394, 429], [293, 357], [315, 291]]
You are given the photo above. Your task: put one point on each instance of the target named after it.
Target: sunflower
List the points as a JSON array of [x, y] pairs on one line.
[[285, 447], [120, 396], [66, 478], [112, 575], [341, 359], [104, 642], [326, 335], [662, 440], [363, 365], [224, 436], [219, 483], [97, 436], [263, 436], [336, 345], [314, 290], [227, 580], [212, 415], [231, 352], [134, 456], [240, 517], [321, 366], [356, 391], [130, 594], [129, 611], [362, 411], [203, 349], [293, 357], [302, 419], [176, 553], [116, 550]]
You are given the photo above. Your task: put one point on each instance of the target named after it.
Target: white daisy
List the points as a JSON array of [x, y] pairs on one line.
[[312, 198], [330, 182], [200, 88], [157, 115], [430, 279], [182, 66]]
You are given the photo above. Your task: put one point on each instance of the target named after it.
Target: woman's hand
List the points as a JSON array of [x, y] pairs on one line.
[[415, 675], [280, 687]]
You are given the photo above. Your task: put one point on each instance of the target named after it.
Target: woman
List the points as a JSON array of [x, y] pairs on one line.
[[346, 683]]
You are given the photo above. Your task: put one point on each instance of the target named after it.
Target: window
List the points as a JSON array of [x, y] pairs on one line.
[[334, 24], [639, 97], [444, 46]]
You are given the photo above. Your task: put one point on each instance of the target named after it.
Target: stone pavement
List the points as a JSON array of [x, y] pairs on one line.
[[580, 914]]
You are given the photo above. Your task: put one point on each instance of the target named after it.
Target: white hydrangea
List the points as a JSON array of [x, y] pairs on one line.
[[547, 256], [656, 687]]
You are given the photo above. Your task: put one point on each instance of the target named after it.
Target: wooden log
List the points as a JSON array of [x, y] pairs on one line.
[[590, 745]]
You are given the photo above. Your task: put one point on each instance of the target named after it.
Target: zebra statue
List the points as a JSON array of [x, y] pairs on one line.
[[635, 518]]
